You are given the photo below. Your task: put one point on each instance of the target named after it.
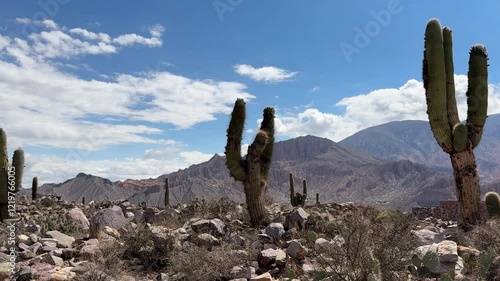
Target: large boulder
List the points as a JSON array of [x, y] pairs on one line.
[[112, 217]]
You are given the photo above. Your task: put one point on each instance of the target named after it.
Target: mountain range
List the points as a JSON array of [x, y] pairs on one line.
[[397, 164]]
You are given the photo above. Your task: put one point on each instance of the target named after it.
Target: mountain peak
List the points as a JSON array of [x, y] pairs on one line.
[[82, 175]]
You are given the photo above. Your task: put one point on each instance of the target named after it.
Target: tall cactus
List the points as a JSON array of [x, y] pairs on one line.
[[6, 184], [167, 193], [455, 138], [254, 169], [34, 188]]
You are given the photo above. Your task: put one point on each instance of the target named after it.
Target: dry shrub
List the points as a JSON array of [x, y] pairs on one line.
[[484, 237], [372, 245], [153, 250], [106, 265], [215, 208], [60, 223], [393, 241], [200, 264]]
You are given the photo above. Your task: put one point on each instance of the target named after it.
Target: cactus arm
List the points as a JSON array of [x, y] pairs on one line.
[[259, 143], [234, 162], [434, 77], [477, 92], [267, 125], [460, 139], [18, 164], [451, 104]]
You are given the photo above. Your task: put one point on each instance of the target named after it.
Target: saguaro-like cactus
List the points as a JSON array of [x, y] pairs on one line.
[[492, 200], [298, 199], [254, 169], [167, 193], [10, 177], [455, 138], [34, 188], [317, 198]]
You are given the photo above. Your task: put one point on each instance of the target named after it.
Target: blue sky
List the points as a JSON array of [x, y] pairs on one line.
[[125, 89]]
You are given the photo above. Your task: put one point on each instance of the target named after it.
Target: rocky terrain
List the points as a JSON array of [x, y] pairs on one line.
[[336, 173], [212, 240]]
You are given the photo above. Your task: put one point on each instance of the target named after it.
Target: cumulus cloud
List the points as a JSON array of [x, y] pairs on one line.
[[59, 42], [270, 74], [44, 106], [377, 107]]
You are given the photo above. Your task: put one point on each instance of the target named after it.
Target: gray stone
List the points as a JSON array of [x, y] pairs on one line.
[[275, 230]]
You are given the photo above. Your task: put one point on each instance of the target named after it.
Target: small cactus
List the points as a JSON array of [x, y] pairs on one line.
[[298, 199], [317, 198], [83, 200], [167, 193], [34, 188], [492, 200], [423, 266], [485, 260], [6, 174]]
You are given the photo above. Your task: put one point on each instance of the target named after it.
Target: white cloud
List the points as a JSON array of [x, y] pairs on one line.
[[58, 42], [264, 74], [91, 35], [50, 24], [156, 32], [22, 20], [44, 106], [52, 169], [375, 108]]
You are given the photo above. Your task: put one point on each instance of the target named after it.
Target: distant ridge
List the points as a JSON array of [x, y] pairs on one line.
[[337, 173]]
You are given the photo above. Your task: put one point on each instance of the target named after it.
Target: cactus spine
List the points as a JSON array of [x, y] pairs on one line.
[[254, 169], [492, 200], [167, 193], [298, 199], [455, 138], [34, 188], [10, 177]]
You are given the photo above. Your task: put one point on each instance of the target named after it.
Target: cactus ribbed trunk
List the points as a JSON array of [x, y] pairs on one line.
[[255, 206], [34, 188], [167, 193], [467, 187], [253, 191]]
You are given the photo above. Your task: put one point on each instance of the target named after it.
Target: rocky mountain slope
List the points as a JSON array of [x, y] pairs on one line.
[[414, 141], [336, 173]]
